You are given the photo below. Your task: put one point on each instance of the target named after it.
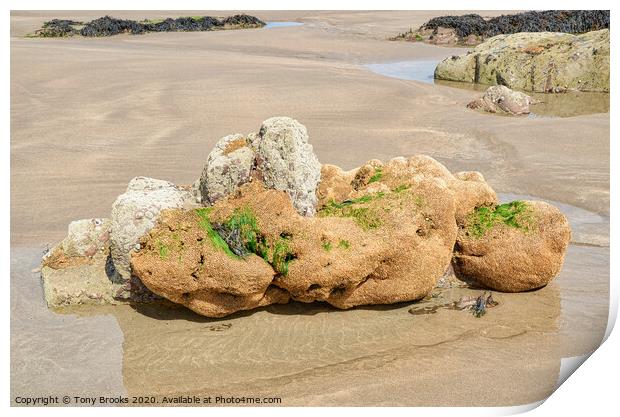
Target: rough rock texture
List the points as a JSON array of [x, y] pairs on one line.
[[78, 280], [542, 62], [470, 192], [135, 212], [87, 237], [389, 240], [471, 29], [285, 161], [228, 166], [499, 98], [512, 259]]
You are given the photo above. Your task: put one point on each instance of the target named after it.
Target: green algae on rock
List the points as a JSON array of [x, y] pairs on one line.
[[537, 62]]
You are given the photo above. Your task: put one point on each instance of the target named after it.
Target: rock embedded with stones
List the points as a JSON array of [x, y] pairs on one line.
[[135, 212], [522, 253], [540, 62], [285, 161], [86, 237], [501, 99]]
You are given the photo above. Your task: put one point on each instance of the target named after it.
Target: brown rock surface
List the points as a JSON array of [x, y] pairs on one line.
[[513, 259], [388, 241]]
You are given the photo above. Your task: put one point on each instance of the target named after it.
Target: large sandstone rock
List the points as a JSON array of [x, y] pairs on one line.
[[542, 62], [388, 241], [135, 212], [501, 99], [285, 161], [519, 246], [228, 166]]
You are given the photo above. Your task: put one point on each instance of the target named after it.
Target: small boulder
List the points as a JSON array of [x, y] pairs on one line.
[[228, 166], [286, 161], [135, 212], [512, 247], [499, 98]]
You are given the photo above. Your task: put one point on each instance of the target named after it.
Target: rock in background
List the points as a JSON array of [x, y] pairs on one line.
[[540, 62]]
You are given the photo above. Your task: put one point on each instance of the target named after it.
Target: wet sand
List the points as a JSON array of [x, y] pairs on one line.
[[89, 114]]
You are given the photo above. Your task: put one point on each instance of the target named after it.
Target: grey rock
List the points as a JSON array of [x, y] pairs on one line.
[[135, 212], [286, 161], [228, 166]]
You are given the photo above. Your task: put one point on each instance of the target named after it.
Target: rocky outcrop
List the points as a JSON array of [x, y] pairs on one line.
[[471, 29], [540, 62], [275, 226], [109, 26], [135, 212], [501, 99], [513, 247], [389, 241]]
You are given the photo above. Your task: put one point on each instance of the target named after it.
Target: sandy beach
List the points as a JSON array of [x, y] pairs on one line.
[[87, 115]]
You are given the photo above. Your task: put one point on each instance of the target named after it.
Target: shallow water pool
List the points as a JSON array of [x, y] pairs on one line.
[[273, 25]]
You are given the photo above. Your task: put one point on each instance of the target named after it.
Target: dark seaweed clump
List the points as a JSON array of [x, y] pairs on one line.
[[58, 28], [109, 26], [567, 21]]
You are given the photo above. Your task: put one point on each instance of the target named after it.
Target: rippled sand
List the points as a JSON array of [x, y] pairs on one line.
[[89, 114]]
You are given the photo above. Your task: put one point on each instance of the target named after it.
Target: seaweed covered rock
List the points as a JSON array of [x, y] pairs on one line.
[[286, 161], [471, 29], [228, 166], [501, 99], [243, 20], [109, 26], [512, 247], [389, 241], [136, 211], [58, 28], [541, 62]]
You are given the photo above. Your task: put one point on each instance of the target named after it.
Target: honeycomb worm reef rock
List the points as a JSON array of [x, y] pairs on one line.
[[266, 223]]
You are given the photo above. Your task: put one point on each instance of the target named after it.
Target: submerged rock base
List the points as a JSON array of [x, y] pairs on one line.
[[266, 223]]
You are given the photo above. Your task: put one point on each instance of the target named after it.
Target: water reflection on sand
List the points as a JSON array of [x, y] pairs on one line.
[[312, 353]]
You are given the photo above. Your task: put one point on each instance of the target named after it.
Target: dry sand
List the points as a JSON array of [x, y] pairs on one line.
[[89, 114]]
